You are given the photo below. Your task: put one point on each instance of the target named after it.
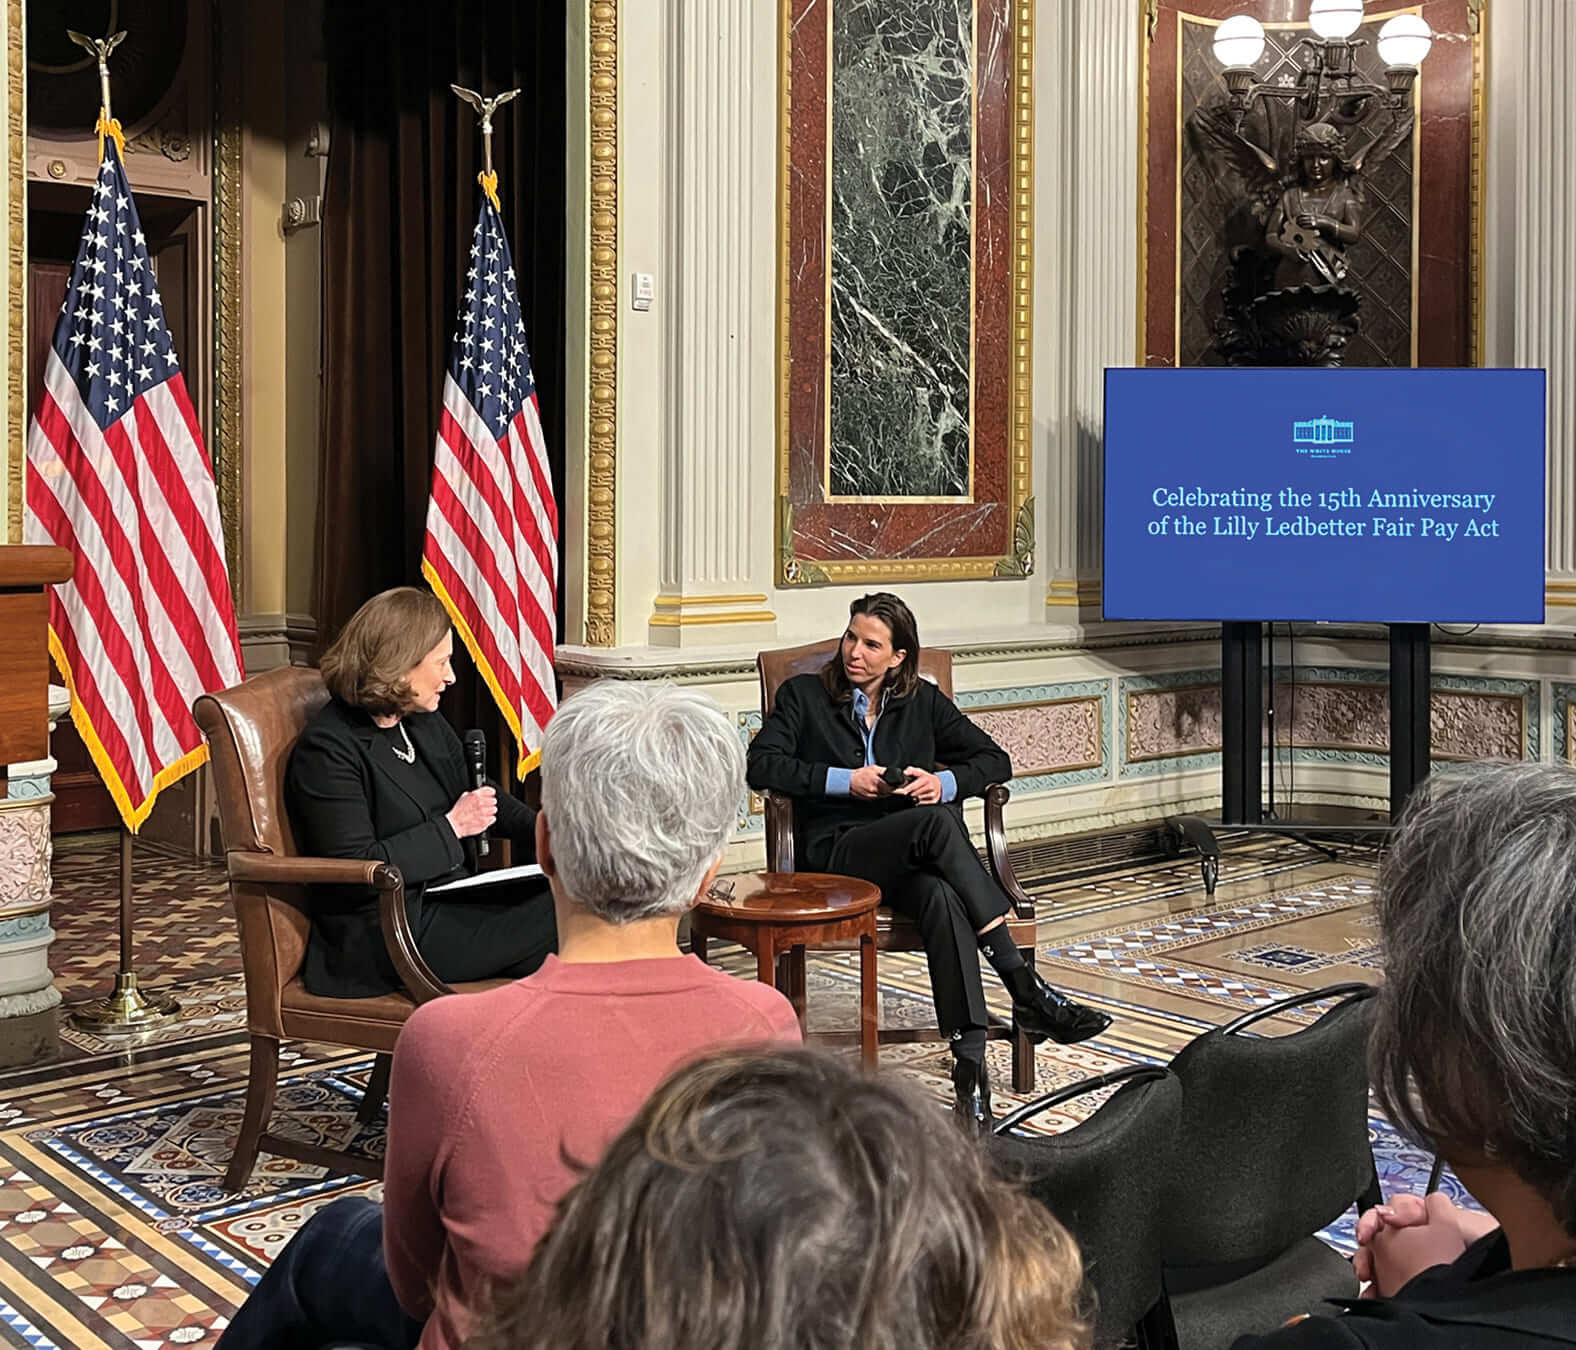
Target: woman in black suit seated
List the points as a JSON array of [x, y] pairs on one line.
[[378, 773], [832, 742]]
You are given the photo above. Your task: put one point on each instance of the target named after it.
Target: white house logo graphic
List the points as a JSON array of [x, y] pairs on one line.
[[1322, 436]]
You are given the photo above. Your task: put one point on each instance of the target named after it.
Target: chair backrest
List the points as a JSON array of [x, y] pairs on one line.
[[251, 730], [935, 664], [1273, 1142], [1099, 1178]]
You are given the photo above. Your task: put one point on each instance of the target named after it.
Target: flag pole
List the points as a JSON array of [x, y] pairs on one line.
[[128, 1008]]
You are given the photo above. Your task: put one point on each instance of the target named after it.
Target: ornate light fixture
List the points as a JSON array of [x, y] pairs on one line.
[[1403, 43]]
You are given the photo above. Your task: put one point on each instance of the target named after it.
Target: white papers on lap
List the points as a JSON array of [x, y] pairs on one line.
[[504, 874]]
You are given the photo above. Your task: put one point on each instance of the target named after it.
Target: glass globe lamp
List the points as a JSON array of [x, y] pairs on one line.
[[1404, 41], [1239, 42], [1335, 20]]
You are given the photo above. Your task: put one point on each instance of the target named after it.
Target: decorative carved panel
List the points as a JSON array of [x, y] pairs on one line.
[[1173, 723], [25, 852], [1046, 738]]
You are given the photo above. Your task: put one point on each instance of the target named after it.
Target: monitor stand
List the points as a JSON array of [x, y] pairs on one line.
[[1242, 746]]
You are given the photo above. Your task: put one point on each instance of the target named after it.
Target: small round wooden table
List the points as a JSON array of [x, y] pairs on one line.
[[784, 913]]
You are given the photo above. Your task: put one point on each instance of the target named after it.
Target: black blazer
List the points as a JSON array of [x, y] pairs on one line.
[[808, 733], [345, 804], [1478, 1303]]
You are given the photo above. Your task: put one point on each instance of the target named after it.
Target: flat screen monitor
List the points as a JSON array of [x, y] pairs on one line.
[[1377, 496]]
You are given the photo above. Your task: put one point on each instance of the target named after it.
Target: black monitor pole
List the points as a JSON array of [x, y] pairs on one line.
[[1242, 742], [1241, 723], [1410, 720]]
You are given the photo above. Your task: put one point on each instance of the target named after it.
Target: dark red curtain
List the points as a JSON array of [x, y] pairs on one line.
[[399, 208]]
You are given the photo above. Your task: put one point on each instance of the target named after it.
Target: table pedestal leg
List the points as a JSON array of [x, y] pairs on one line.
[[796, 985], [766, 963], [868, 1040]]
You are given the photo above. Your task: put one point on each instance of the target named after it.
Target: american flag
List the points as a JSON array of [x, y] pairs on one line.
[[491, 550], [117, 473]]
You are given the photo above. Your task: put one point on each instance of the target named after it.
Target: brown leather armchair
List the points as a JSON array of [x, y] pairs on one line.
[[251, 730], [893, 932]]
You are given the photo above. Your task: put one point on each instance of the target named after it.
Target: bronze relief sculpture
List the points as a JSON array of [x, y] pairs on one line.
[[1293, 190]]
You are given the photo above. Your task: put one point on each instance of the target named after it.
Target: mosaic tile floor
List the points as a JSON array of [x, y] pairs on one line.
[[114, 1231]]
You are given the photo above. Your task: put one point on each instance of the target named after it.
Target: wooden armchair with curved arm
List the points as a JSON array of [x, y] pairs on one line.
[[894, 933], [251, 730]]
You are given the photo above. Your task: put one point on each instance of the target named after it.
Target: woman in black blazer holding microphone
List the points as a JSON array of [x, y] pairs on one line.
[[857, 747], [378, 773]]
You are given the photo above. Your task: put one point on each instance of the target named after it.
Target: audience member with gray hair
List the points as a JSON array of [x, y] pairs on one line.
[[496, 1097], [1474, 1055]]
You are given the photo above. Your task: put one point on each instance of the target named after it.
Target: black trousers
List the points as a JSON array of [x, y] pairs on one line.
[[928, 871], [329, 1286], [483, 932]]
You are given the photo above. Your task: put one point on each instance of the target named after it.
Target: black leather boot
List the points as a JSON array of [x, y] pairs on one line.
[[1040, 1011], [971, 1095]]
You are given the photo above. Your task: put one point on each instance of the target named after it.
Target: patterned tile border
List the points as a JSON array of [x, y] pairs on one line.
[[1138, 953]]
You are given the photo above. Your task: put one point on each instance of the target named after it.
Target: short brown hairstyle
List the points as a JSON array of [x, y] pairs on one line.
[[772, 1201], [899, 619], [381, 644]]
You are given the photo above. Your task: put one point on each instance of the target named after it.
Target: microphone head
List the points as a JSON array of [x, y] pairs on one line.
[[475, 747]]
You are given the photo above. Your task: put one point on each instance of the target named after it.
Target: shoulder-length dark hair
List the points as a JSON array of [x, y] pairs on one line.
[[766, 1201], [380, 645], [899, 619]]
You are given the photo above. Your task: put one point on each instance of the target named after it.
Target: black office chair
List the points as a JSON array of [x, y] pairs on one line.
[[1272, 1145], [1099, 1179]]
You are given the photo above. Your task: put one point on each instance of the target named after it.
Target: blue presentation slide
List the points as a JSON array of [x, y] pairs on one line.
[[1382, 496]]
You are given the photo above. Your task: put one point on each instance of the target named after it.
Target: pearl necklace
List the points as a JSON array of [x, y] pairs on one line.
[[408, 754]]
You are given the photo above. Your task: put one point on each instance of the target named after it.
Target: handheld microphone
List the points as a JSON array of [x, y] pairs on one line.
[[476, 762]]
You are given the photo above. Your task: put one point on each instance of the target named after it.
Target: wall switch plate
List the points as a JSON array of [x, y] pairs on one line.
[[642, 290]]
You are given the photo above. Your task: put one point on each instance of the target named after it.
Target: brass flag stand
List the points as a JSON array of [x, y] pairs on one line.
[[128, 1009]]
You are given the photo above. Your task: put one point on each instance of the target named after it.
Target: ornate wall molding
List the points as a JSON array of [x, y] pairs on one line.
[[602, 464], [24, 858], [1169, 723], [225, 445], [847, 515], [16, 225], [1058, 735], [1330, 715]]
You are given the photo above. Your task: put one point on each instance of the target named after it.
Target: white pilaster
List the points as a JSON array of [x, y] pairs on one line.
[[1530, 245], [717, 472], [1086, 211]]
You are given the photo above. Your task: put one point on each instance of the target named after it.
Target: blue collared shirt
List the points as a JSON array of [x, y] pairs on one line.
[[838, 781]]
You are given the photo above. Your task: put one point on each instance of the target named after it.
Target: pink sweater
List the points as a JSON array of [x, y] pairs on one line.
[[489, 1090]]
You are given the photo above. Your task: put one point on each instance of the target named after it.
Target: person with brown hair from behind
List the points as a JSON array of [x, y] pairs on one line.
[[776, 1201]]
